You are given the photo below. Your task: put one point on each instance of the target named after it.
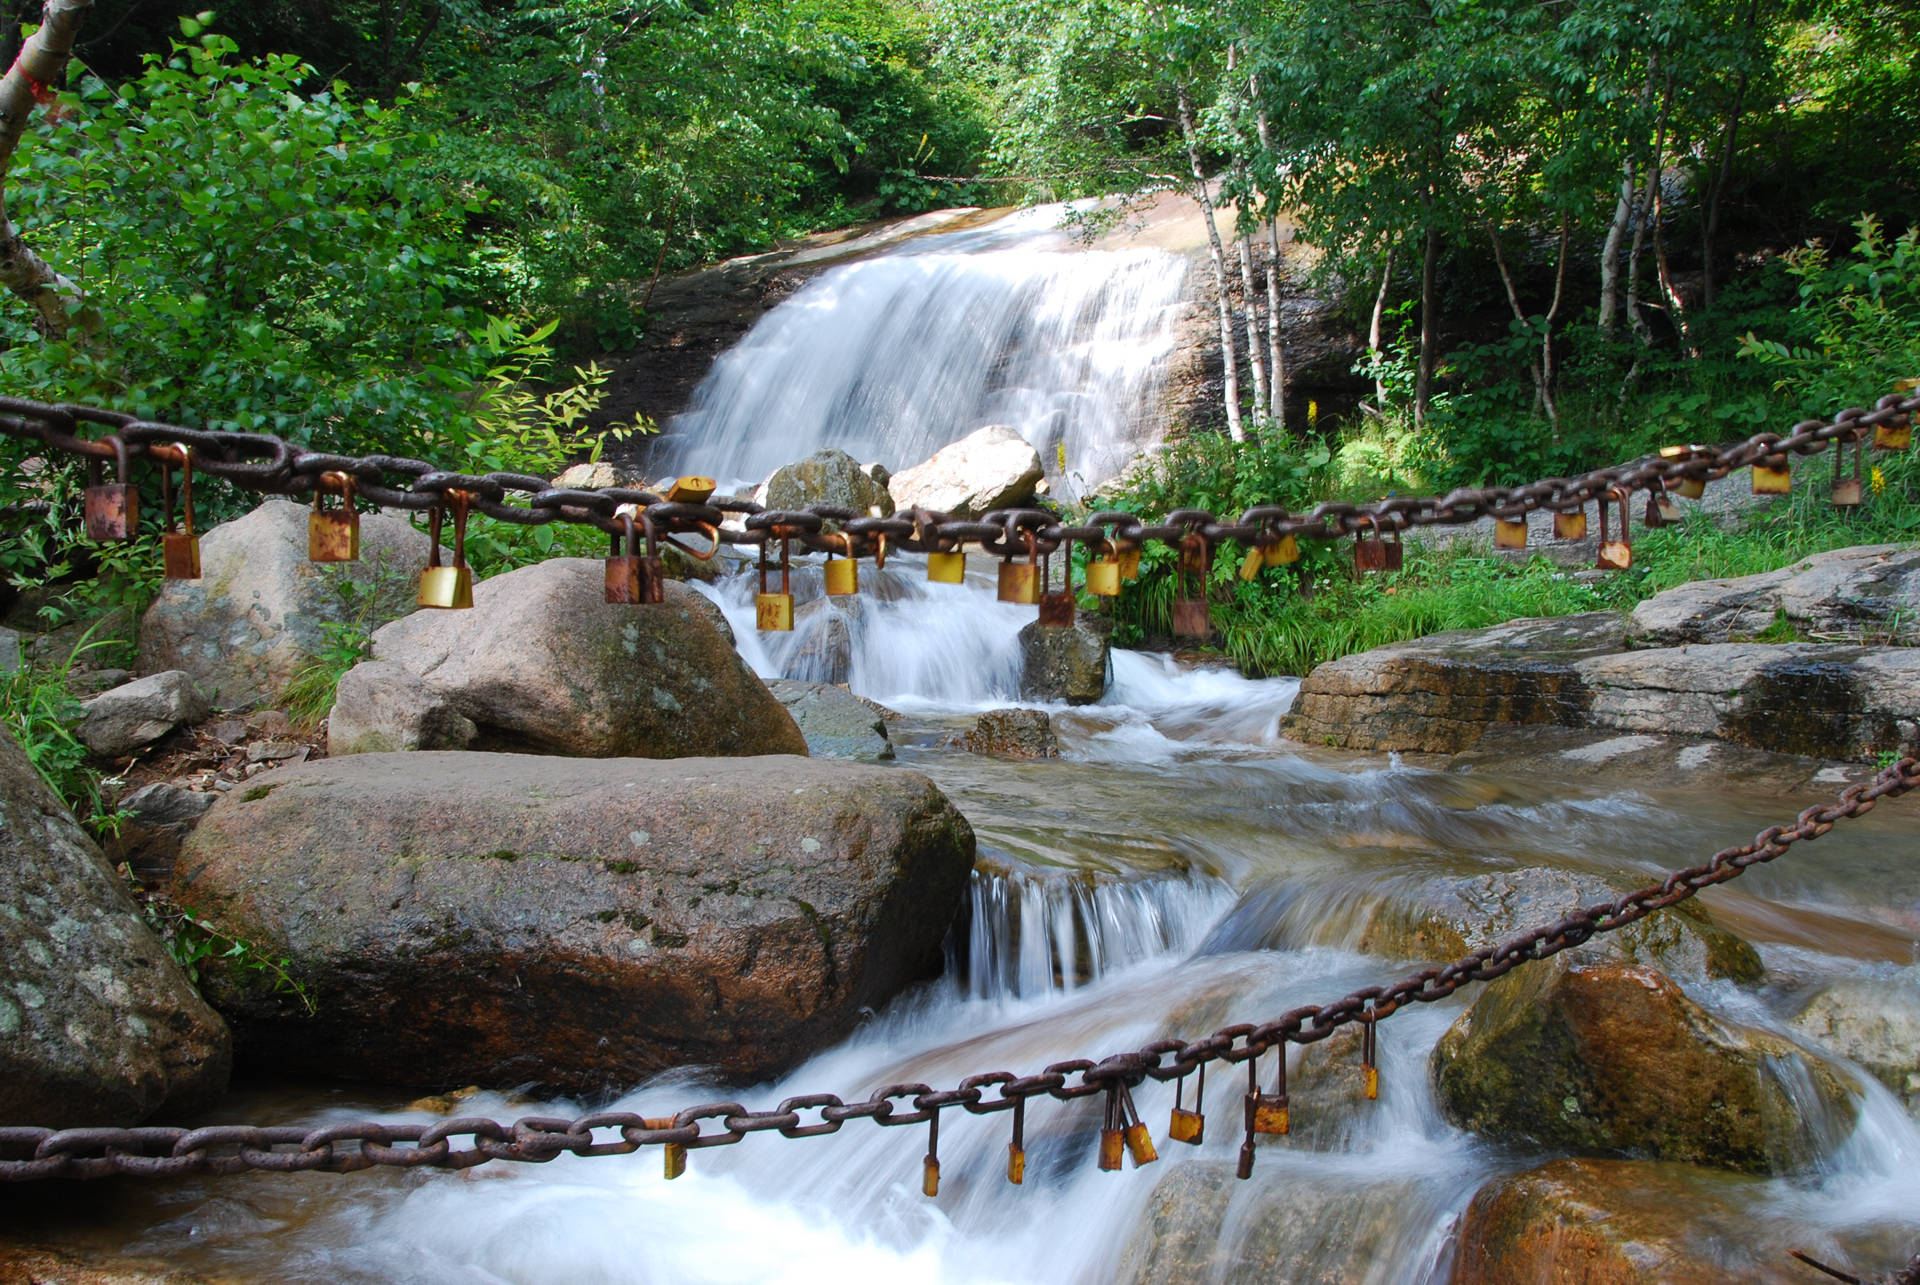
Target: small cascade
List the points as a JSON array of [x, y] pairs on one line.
[[1030, 935], [892, 358]]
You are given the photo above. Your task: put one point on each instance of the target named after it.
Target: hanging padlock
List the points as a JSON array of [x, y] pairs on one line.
[[1020, 581], [1368, 554], [1688, 486], [1771, 475], [634, 578], [1570, 524], [773, 612], [1112, 1142], [842, 574], [1250, 566], [1128, 556], [449, 588], [947, 566], [1017, 1149], [930, 1167], [689, 490], [1615, 555], [333, 535], [1393, 552], [1894, 435], [1283, 552], [1139, 1138], [1056, 605], [1103, 573], [673, 1153], [1369, 1067], [1849, 492], [1263, 1112], [1510, 533], [112, 508], [1191, 618], [1189, 1126], [1662, 509], [179, 550]]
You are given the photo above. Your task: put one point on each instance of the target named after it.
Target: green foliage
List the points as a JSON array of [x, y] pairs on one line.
[[198, 946], [311, 693], [39, 711]]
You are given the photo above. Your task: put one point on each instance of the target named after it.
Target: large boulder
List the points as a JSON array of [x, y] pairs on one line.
[[1070, 665], [543, 664], [836, 723], [828, 476], [1873, 1023], [1870, 593], [123, 719], [257, 615], [98, 1025], [498, 919], [991, 468], [1612, 1059]]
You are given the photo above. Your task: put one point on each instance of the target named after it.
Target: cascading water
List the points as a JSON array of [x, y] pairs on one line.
[[891, 358]]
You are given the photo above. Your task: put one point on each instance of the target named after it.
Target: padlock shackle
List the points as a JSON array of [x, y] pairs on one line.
[[163, 452], [460, 500], [332, 483]]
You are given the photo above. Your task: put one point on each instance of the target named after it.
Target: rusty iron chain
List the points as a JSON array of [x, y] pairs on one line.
[[29, 1154], [271, 465]]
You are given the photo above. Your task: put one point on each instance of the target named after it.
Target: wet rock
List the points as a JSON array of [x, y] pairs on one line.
[[98, 1026], [825, 654], [1622, 1222], [500, 919], [9, 652], [1870, 593], [1658, 762], [990, 468], [1873, 1023], [836, 723], [255, 618], [380, 708], [544, 664], [599, 475], [139, 713], [156, 819], [828, 476], [1013, 734], [26, 1263], [1070, 665], [1613, 1059]]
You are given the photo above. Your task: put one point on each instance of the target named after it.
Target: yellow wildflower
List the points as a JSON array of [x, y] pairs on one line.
[[1879, 481]]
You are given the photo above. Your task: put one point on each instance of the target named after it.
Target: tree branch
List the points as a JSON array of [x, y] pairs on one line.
[[35, 74]]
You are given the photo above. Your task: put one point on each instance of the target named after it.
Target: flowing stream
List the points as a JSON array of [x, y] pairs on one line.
[[1178, 869]]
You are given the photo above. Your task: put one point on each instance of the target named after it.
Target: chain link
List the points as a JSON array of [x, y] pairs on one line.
[[269, 465], [30, 1154]]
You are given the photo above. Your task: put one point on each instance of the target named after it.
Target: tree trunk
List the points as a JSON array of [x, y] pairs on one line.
[[1429, 324], [1546, 333], [1610, 251], [1276, 356], [1542, 401], [1256, 360], [34, 76], [1229, 356], [1710, 227], [1374, 336]]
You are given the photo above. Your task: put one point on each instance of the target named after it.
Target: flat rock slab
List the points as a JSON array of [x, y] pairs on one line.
[[1869, 593], [580, 925], [836, 723]]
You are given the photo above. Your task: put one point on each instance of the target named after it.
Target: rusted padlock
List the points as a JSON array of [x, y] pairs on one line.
[[1369, 555], [1369, 1065], [1849, 492], [1139, 1138], [1894, 435], [1112, 1142], [1510, 533], [1264, 1112], [1020, 581], [842, 574], [1128, 556], [1691, 487], [1189, 1126], [930, 1167], [634, 578], [1662, 509], [1771, 475], [1615, 555], [112, 508], [1017, 1149], [1570, 524], [773, 612], [179, 549], [449, 588], [1056, 605], [1191, 618], [333, 535]]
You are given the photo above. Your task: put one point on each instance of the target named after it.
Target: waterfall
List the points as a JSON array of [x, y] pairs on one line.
[[891, 358]]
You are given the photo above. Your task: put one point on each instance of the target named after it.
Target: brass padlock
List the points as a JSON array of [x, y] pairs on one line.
[[930, 1167], [1056, 605], [1662, 510], [1283, 552], [1189, 1126], [1103, 573], [1129, 559], [1191, 617], [1139, 1138], [1250, 566], [1017, 1149], [1849, 492], [634, 578], [112, 508], [842, 574], [1771, 476], [449, 588], [1270, 1112], [1615, 555], [675, 1154], [690, 490], [179, 550], [947, 566], [1571, 524], [333, 535], [1690, 487], [1368, 554], [1020, 581], [1509, 534], [773, 612], [1369, 1065], [1894, 435]]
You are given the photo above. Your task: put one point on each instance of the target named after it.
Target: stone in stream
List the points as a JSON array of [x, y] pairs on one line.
[[98, 1025], [1622, 1222], [828, 476], [1869, 593], [580, 925], [543, 664], [1070, 665], [1873, 1023], [139, 713], [836, 723], [1613, 1059], [27, 1263], [1013, 734], [257, 615], [990, 468]]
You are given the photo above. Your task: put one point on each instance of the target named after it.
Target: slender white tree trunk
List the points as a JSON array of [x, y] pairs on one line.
[[35, 75], [1229, 356], [1374, 327], [1276, 357], [1262, 408]]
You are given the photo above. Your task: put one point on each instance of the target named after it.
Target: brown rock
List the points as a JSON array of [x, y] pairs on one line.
[[494, 919], [1013, 734], [25, 1263]]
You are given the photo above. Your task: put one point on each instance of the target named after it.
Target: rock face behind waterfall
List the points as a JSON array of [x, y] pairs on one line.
[[98, 1026], [543, 664], [497, 919]]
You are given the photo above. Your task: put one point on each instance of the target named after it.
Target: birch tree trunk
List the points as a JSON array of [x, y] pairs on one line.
[[1541, 398], [1262, 408], [1610, 251], [35, 74], [1374, 351], [1229, 356], [1276, 358], [1429, 323]]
